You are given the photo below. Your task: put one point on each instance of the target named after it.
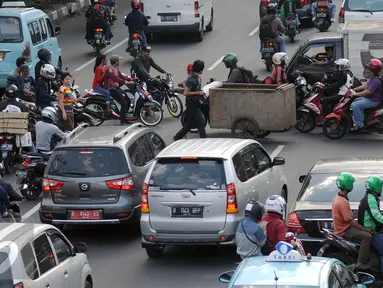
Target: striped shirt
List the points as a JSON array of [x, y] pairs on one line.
[[68, 97]]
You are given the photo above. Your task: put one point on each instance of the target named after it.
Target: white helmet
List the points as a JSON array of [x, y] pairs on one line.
[[280, 57], [343, 64], [48, 71], [49, 112], [276, 204]]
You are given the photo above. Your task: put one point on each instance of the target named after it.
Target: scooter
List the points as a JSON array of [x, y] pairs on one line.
[[291, 27], [270, 47], [322, 22], [98, 42], [134, 45]]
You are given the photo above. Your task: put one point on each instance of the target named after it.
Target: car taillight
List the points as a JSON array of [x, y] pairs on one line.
[[135, 36], [121, 184], [341, 15], [145, 198], [51, 185], [293, 224], [27, 52], [19, 285], [142, 7], [196, 7], [231, 206]]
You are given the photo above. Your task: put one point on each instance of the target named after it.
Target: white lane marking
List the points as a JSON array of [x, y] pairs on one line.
[[106, 52], [30, 212], [215, 64], [9, 229], [254, 31], [276, 151]]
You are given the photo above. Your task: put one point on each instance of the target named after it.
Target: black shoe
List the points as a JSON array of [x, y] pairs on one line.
[[108, 42], [356, 128]]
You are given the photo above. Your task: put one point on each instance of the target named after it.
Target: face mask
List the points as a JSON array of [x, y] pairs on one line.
[[368, 74]]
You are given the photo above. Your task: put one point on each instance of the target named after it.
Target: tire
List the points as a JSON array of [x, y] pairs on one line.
[[269, 64], [210, 27], [292, 39], [179, 107], [87, 284], [248, 126], [83, 118], [9, 165], [183, 121], [199, 35], [35, 192], [340, 131], [142, 111], [309, 124], [98, 50], [99, 110], [154, 252]]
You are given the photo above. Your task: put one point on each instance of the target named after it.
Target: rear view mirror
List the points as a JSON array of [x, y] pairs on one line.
[[365, 278], [302, 178], [80, 247], [278, 161], [57, 31], [225, 277]]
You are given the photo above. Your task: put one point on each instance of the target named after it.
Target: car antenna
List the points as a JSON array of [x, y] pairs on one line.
[[276, 279]]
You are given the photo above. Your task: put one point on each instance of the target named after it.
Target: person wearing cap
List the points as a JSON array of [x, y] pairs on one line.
[[113, 79], [141, 65], [181, 86], [17, 78]]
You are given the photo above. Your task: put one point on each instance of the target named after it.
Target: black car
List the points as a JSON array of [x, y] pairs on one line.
[[312, 210]]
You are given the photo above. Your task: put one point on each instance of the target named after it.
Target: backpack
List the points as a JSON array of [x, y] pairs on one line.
[[96, 14], [266, 29], [247, 75]]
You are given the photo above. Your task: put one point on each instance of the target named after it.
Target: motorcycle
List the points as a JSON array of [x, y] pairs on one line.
[[134, 45], [142, 105], [322, 22], [270, 47], [162, 91], [98, 42], [338, 123], [8, 152], [292, 238], [291, 27], [302, 88], [309, 115]]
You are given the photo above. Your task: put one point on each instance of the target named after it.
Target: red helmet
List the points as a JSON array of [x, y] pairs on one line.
[[189, 67], [135, 4], [375, 66]]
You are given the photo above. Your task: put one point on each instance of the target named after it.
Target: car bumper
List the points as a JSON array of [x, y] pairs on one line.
[[151, 237], [193, 28]]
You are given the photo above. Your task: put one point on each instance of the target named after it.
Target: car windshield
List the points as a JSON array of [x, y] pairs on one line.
[[87, 162], [322, 188], [195, 174], [361, 5], [10, 30]]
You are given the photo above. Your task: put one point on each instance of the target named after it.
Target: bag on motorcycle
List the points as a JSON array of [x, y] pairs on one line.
[[322, 3], [247, 75], [266, 29]]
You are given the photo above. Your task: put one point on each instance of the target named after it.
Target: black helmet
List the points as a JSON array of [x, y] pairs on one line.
[[11, 91], [44, 55], [255, 210], [271, 9]]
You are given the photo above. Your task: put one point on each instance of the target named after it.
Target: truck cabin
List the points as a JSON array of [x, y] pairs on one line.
[[315, 57]]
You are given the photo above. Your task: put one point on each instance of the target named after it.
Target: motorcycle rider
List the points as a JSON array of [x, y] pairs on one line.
[[344, 222], [47, 133], [369, 214], [370, 95], [45, 58], [236, 74], [286, 7], [136, 22], [11, 104], [45, 86], [141, 65], [270, 27], [250, 236], [331, 8], [278, 75], [342, 80], [98, 16]]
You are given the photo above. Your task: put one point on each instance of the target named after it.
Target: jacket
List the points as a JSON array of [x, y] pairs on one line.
[[369, 212], [113, 78], [136, 21], [250, 238], [141, 67], [43, 92], [275, 229]]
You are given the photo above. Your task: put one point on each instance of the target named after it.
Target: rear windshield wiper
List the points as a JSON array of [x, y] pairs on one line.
[[73, 173], [362, 10], [187, 189]]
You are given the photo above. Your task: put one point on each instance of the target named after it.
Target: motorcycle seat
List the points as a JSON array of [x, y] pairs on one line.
[[36, 154]]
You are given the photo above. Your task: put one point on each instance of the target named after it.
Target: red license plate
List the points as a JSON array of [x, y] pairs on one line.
[[85, 214]]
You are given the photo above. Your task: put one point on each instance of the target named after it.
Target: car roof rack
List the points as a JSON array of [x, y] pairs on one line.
[[13, 4], [119, 136], [74, 132]]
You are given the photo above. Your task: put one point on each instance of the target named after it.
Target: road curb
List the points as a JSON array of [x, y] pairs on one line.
[[69, 9]]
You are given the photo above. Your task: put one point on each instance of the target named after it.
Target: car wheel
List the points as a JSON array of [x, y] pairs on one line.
[[199, 35], [88, 284], [210, 27], [155, 252]]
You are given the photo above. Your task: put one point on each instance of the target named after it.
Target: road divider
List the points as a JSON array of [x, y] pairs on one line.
[[277, 151], [216, 63]]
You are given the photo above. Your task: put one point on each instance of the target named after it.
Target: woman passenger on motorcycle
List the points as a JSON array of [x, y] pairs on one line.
[[98, 82], [278, 75], [370, 95]]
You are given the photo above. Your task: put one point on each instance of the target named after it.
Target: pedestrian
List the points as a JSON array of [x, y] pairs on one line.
[[194, 100]]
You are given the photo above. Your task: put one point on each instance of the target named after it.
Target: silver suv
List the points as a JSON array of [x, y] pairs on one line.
[[96, 174], [197, 190]]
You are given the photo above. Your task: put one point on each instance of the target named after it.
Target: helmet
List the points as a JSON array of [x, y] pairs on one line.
[[279, 58], [375, 66], [11, 91], [318, 87], [135, 4], [189, 67], [272, 9], [44, 55], [255, 210], [230, 59], [374, 183], [48, 71], [50, 113], [343, 64], [276, 204], [345, 181]]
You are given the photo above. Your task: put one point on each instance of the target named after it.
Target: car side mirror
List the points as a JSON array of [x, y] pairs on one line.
[[57, 31], [225, 277], [148, 17], [80, 247], [279, 161], [302, 178], [365, 278]]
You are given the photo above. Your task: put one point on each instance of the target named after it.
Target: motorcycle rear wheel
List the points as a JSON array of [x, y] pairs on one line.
[[335, 129], [308, 125], [269, 64], [98, 110], [9, 164], [151, 106]]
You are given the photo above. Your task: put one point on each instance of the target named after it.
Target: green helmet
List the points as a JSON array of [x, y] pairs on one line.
[[374, 183], [230, 58], [345, 181]]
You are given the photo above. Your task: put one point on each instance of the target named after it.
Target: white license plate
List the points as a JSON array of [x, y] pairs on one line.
[[326, 225], [290, 22], [169, 18], [6, 147], [321, 15], [267, 50]]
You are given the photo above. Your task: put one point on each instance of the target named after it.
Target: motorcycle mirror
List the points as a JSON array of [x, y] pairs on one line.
[[66, 68], [148, 17]]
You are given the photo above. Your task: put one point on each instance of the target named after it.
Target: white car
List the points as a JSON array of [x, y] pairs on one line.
[[179, 16], [362, 10], [39, 255]]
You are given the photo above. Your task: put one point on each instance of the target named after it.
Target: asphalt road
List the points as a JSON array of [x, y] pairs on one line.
[[114, 252]]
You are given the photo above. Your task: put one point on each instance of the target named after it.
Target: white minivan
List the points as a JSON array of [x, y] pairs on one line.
[[179, 16]]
